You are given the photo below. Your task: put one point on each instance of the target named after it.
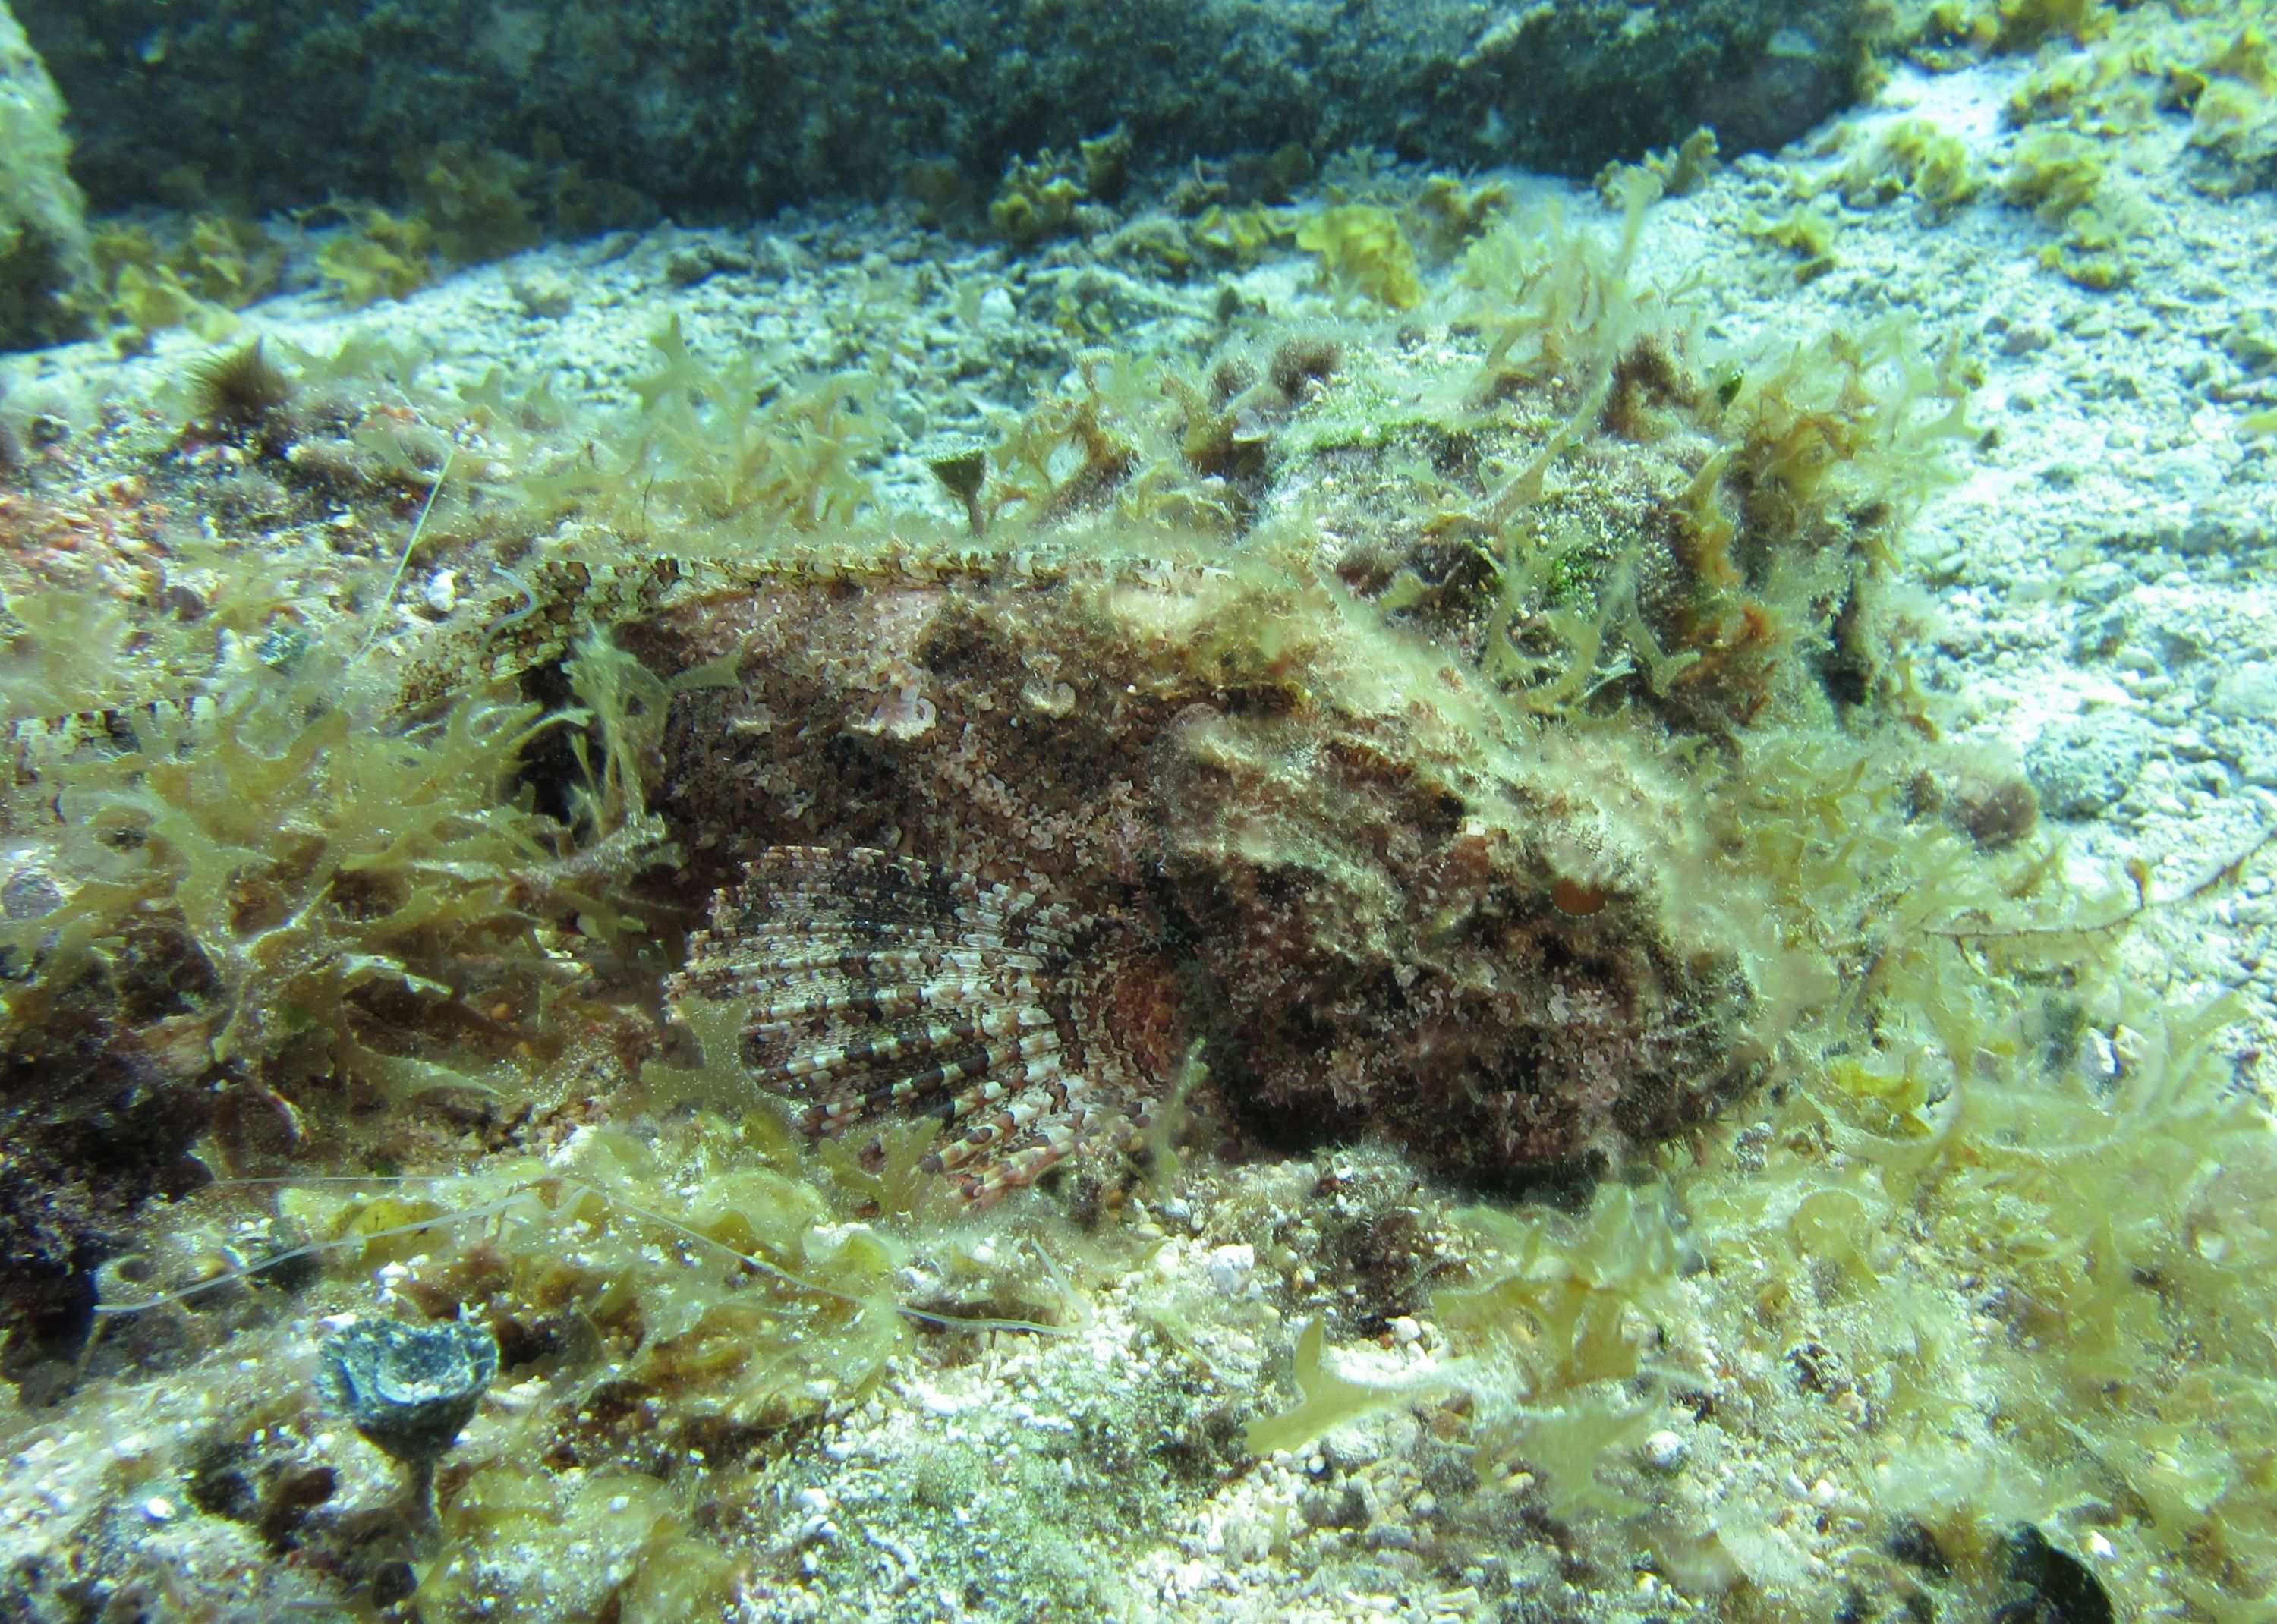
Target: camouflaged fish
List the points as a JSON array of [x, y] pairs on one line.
[[878, 986]]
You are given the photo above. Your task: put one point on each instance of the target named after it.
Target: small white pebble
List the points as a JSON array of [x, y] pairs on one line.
[[816, 1531], [1665, 1450], [1230, 1269], [813, 1501], [2100, 1548], [542, 293], [997, 308], [159, 1509], [442, 591], [1822, 1493], [1405, 1331]]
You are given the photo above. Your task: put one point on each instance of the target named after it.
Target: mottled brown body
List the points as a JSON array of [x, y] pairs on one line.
[[1334, 859]]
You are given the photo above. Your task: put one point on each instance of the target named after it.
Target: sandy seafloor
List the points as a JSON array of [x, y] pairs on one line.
[[2100, 573]]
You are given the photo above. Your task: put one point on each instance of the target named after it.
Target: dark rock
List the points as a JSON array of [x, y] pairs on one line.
[[709, 108], [292, 1494], [2057, 1588], [106, 1082], [1343, 1506], [1912, 1543], [216, 1479]]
